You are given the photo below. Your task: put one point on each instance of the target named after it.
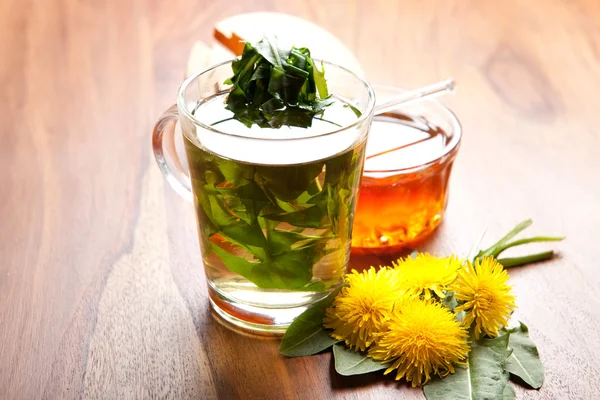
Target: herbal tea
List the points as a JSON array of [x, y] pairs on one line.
[[403, 192], [273, 235], [275, 148]]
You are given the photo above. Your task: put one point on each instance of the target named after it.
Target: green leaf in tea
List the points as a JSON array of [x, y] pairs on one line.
[[272, 224], [306, 335], [349, 362], [524, 361], [275, 86], [484, 377], [288, 270]]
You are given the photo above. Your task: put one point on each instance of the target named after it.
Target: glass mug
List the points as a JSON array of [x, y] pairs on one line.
[[274, 207]]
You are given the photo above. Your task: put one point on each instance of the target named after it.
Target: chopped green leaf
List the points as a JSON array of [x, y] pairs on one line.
[[269, 49], [310, 217], [291, 270], [320, 81], [296, 182], [273, 86], [355, 110], [283, 241], [273, 224]]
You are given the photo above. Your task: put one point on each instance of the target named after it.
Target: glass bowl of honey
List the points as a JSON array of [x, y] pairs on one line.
[[404, 188]]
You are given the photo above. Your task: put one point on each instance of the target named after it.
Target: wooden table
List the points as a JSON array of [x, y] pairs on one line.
[[102, 294]]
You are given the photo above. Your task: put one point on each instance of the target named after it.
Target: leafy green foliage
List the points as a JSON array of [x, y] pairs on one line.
[[485, 376], [306, 335], [279, 220], [524, 361], [349, 362], [273, 86]]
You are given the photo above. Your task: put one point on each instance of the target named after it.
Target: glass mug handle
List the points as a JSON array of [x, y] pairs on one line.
[[163, 145]]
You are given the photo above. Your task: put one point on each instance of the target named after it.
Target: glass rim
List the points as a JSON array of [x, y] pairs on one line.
[[186, 83], [449, 148]]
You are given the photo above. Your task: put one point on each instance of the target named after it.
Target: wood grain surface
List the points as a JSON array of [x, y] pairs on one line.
[[102, 292]]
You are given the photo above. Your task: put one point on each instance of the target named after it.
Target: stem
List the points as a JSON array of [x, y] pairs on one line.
[[326, 120], [499, 249], [532, 258], [249, 65], [223, 120], [318, 184], [515, 231], [473, 252]]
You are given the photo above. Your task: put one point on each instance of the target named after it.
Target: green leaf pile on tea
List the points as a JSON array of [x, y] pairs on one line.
[[273, 86]]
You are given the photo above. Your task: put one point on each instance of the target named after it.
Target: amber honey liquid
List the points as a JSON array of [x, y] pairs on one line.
[[403, 193]]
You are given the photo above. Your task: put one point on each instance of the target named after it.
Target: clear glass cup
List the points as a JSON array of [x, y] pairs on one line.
[[274, 207], [404, 192]]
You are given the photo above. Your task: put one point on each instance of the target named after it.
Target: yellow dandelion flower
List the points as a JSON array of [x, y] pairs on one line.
[[363, 307], [426, 274], [423, 339], [488, 300]]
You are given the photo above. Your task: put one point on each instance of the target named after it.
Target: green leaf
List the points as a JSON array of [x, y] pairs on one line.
[[236, 173], [449, 301], [267, 213], [349, 362], [291, 270], [310, 217], [333, 206], [509, 392], [355, 110], [282, 241], [335, 169], [262, 71], [485, 376], [273, 86], [524, 361], [320, 82], [268, 48], [291, 116], [242, 233], [235, 264], [306, 335], [297, 179]]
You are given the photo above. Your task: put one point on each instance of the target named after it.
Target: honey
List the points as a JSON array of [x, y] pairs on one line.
[[404, 188]]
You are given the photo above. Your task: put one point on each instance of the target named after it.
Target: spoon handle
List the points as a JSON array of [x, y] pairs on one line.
[[404, 99]]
